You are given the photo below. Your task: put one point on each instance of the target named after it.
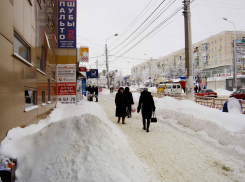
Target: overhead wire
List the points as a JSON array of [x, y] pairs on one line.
[[139, 26], [133, 22], [168, 6], [174, 13]]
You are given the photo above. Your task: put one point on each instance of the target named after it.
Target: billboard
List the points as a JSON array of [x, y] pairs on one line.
[[66, 83], [67, 23], [84, 54]]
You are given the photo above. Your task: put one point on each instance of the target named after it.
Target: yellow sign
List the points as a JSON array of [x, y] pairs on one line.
[[84, 54]]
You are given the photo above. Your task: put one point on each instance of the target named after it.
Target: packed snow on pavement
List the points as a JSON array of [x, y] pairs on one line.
[[75, 143], [189, 142]]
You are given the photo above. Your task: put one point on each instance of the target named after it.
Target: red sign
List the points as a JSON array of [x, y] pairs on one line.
[[82, 69], [67, 88], [221, 74]]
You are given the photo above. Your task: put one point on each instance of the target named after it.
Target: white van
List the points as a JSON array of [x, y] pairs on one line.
[[173, 88]]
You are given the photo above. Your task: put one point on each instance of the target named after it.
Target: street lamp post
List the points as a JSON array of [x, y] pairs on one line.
[[234, 54], [106, 54], [149, 69]]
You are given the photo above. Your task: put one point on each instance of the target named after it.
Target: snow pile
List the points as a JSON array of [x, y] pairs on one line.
[[77, 148], [234, 106], [227, 129], [223, 93]]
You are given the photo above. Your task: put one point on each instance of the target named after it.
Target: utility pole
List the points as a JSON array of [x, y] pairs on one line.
[[234, 55], [107, 66], [98, 72], [188, 52]]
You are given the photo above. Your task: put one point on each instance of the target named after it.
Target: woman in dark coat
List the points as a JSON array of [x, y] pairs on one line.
[[130, 101], [146, 104], [121, 104]]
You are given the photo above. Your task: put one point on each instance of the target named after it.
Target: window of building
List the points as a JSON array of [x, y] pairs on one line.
[[220, 47], [49, 90], [53, 75], [220, 54], [215, 48], [220, 62], [212, 57], [215, 41], [220, 39], [43, 96], [30, 99], [212, 49], [40, 60], [21, 49], [212, 42]]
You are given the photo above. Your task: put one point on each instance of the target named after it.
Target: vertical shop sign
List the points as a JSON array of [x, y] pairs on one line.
[[66, 83], [67, 23], [84, 86]]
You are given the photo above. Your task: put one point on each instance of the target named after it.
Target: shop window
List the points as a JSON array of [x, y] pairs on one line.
[[43, 96], [30, 98], [21, 49]]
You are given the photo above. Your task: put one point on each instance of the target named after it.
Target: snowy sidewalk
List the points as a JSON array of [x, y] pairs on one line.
[[174, 155]]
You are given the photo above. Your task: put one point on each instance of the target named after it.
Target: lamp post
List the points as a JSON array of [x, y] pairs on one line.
[[234, 54], [106, 54], [149, 69]]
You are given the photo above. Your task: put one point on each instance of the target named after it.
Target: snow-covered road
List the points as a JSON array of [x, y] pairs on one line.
[[172, 154]]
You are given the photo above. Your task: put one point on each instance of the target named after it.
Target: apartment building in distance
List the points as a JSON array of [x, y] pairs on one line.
[[213, 55], [28, 59]]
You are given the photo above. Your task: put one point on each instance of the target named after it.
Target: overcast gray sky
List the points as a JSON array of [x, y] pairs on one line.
[[98, 20]]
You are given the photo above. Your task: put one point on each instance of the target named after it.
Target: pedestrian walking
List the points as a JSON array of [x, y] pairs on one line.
[[146, 105], [196, 88], [199, 88], [96, 93], [130, 101], [121, 105]]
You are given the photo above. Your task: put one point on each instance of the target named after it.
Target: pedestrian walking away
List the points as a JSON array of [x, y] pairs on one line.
[[96, 93], [130, 101], [146, 105], [121, 102], [196, 89]]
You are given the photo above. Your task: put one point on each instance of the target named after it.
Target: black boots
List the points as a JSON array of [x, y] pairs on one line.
[[148, 125]]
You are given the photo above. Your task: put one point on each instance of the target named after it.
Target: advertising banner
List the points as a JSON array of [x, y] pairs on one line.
[[84, 86], [67, 23], [66, 83], [84, 54], [92, 73]]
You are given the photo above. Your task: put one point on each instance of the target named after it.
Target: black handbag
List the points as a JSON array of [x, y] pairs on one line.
[[153, 117]]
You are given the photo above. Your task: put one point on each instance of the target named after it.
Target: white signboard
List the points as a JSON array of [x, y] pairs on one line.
[[66, 83]]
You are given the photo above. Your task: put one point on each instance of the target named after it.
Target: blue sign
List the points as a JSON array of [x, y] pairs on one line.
[[84, 86], [67, 23], [92, 73]]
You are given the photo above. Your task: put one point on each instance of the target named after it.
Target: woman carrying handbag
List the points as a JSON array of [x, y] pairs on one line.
[[146, 105]]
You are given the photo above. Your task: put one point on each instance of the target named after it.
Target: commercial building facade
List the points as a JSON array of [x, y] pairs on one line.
[[28, 57]]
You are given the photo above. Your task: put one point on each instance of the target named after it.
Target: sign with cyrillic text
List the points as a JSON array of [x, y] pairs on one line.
[[67, 23], [66, 83]]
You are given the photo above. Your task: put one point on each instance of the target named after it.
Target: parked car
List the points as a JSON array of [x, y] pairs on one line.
[[173, 88], [240, 94], [206, 93], [140, 89]]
